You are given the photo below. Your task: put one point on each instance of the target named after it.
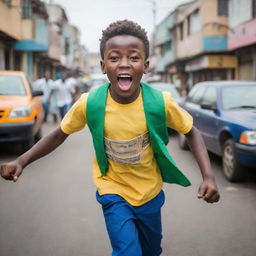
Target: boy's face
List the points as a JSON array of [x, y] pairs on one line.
[[124, 63]]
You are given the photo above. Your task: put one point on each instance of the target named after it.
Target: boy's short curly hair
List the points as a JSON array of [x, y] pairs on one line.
[[124, 27]]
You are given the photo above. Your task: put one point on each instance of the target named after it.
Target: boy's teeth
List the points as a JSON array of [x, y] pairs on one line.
[[124, 76]]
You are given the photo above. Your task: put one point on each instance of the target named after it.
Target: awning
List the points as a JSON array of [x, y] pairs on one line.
[[212, 62], [30, 46]]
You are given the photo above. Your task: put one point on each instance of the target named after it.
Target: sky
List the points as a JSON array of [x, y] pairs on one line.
[[92, 16]]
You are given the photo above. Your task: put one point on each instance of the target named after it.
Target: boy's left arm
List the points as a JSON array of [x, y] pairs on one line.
[[208, 189]]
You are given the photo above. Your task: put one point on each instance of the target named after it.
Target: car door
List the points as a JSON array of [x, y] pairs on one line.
[[192, 104], [209, 118]]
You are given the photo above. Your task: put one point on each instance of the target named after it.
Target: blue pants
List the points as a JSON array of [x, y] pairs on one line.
[[64, 109], [133, 230], [46, 110]]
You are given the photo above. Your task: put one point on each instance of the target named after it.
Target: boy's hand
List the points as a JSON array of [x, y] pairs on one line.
[[11, 171], [208, 191]]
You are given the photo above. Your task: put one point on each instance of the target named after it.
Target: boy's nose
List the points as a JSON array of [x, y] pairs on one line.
[[124, 62]]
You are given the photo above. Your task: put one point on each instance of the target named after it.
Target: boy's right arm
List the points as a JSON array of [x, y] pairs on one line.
[[12, 170]]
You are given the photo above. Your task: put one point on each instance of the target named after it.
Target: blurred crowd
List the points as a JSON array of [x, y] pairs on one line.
[[59, 94]]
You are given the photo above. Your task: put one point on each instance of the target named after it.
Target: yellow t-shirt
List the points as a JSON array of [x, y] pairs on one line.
[[133, 172]]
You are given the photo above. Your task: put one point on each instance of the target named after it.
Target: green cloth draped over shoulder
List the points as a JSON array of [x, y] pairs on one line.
[[154, 109]]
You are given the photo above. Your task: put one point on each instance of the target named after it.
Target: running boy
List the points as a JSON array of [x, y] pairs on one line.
[[128, 121]]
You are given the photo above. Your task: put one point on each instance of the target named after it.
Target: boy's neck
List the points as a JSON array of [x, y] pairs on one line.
[[124, 100]]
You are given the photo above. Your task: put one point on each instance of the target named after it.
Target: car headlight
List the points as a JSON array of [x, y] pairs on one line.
[[20, 112], [248, 137]]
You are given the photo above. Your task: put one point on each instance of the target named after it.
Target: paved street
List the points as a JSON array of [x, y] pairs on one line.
[[52, 211]]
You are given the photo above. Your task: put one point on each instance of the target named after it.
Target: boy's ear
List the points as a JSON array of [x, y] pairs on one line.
[[146, 66], [102, 66]]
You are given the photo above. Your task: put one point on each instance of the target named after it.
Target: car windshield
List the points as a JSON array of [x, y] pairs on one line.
[[239, 97], [11, 85]]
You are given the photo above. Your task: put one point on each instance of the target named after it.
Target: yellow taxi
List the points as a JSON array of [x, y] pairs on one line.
[[21, 110]]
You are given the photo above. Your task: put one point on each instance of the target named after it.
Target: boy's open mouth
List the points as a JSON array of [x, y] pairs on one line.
[[124, 82]]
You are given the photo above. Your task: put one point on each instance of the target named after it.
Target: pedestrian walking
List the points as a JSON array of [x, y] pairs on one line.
[[128, 121], [45, 85], [64, 91], [74, 82], [53, 108]]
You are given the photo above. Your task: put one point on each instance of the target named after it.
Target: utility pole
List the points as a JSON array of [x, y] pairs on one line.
[[153, 2], [154, 14]]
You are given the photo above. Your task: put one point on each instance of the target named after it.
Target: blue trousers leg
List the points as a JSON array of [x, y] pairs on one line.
[[46, 108], [133, 231], [120, 223], [148, 222]]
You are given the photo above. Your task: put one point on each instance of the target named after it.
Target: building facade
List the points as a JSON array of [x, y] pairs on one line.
[[242, 36], [165, 46], [10, 32], [197, 33], [202, 50], [36, 37]]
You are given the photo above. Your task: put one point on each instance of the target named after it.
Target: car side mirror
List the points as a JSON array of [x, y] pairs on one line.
[[208, 106], [37, 93]]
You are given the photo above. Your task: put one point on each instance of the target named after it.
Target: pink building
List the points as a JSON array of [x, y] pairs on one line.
[[242, 36]]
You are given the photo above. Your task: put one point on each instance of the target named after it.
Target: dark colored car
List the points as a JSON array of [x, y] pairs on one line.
[[225, 114]]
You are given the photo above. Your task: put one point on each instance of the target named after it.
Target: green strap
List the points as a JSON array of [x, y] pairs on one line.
[[154, 108], [95, 115], [156, 122]]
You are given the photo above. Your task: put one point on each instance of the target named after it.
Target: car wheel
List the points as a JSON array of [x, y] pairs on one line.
[[183, 142], [231, 168]]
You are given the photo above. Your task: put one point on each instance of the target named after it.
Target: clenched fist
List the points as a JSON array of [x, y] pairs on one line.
[[11, 170]]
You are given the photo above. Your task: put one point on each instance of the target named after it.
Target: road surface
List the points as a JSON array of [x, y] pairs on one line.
[[52, 211]]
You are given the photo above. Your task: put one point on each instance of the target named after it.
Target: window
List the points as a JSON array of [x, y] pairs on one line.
[[195, 96], [11, 85], [254, 8], [8, 2], [181, 31], [26, 9], [195, 21], [210, 96], [67, 47], [188, 25], [222, 8], [239, 97], [167, 46]]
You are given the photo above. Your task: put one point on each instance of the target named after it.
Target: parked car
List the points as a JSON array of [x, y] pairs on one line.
[[21, 110], [225, 114], [168, 88]]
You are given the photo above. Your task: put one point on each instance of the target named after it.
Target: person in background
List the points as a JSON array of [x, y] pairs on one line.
[[73, 81], [64, 92], [45, 85], [53, 108]]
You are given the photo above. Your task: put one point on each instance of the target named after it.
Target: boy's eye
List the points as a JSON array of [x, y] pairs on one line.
[[134, 58], [113, 58]]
